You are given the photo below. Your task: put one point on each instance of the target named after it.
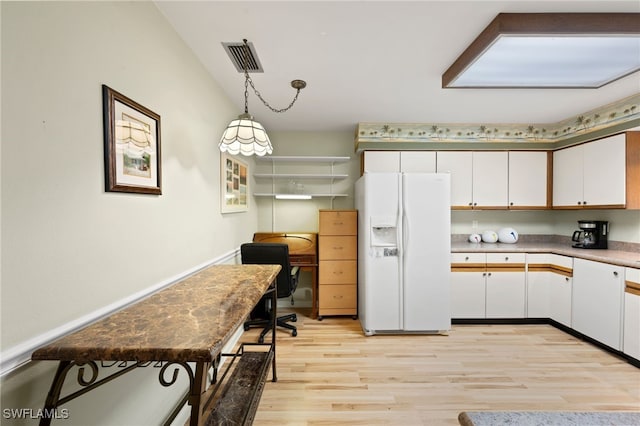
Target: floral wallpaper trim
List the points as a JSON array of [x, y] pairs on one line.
[[610, 115]]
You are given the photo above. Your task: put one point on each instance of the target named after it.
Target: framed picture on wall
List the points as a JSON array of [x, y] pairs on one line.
[[235, 184], [131, 145]]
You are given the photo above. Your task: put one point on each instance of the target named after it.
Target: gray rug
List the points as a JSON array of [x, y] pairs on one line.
[[548, 418]]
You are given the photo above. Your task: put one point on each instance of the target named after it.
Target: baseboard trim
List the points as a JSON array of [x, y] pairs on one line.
[[19, 355]]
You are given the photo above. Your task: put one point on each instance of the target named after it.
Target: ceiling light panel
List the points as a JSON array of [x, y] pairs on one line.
[[566, 51]]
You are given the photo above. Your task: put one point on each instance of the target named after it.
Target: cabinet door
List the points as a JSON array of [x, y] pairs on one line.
[[418, 161], [631, 335], [560, 298], [505, 294], [568, 177], [490, 179], [460, 165], [597, 301], [538, 298], [528, 179], [605, 171], [468, 294], [381, 161]]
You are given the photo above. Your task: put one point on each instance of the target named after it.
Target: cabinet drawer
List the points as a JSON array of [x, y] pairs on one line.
[[338, 296], [337, 248], [506, 258], [468, 259], [338, 272], [338, 222]]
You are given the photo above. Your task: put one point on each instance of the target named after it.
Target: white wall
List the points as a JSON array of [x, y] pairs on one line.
[[69, 248]]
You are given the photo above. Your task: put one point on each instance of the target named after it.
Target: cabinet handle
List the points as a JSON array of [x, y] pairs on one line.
[[566, 279], [489, 274], [475, 204], [584, 203], [337, 272], [511, 203], [615, 273], [337, 297], [506, 258], [470, 204], [337, 223], [337, 248], [579, 203], [466, 258], [484, 274]]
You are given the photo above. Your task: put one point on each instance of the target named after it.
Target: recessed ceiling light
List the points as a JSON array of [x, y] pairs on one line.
[[553, 50]]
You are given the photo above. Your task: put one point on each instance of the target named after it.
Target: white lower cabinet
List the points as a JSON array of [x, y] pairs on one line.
[[631, 330], [468, 285], [490, 285], [506, 285], [538, 283], [598, 291], [549, 282], [560, 288]]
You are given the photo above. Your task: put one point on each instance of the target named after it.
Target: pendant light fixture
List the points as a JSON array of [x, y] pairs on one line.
[[245, 135]]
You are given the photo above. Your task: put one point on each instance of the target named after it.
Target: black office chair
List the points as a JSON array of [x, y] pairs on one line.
[[286, 283]]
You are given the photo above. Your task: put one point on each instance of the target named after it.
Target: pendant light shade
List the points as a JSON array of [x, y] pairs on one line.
[[245, 136]]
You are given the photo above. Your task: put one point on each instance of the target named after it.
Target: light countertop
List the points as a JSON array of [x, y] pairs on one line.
[[630, 258]]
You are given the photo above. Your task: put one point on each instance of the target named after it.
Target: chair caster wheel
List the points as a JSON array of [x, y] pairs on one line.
[[246, 327], [261, 340], [294, 333], [294, 319], [320, 318]]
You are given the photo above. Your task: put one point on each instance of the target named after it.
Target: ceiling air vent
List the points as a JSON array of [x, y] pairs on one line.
[[236, 52]]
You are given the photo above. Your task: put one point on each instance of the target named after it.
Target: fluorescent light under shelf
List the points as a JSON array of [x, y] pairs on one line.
[[293, 197]]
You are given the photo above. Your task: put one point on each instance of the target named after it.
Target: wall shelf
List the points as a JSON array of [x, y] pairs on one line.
[[318, 173]]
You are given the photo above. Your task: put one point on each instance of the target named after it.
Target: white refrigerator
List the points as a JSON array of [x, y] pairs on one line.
[[404, 252]]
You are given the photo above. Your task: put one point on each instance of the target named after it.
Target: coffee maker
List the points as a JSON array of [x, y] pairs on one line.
[[592, 234]]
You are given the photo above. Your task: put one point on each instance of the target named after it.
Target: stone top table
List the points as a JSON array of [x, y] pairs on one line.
[[189, 321]]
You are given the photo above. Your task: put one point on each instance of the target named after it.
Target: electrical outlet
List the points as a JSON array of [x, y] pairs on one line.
[[474, 224]]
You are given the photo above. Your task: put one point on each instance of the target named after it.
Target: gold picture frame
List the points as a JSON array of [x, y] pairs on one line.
[[234, 178]]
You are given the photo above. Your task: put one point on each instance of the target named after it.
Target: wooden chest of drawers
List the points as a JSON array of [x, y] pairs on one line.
[[338, 263]]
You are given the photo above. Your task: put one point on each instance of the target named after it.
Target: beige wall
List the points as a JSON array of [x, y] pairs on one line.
[[69, 249]]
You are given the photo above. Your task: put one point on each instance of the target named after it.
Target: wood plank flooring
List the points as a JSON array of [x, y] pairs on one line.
[[331, 374]]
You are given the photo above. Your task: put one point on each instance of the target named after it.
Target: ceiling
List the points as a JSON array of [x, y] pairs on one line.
[[374, 61]]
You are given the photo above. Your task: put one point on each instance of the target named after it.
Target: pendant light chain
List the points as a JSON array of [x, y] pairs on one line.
[[296, 84]]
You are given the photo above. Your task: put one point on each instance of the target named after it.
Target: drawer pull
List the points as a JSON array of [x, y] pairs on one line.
[[338, 272], [337, 297], [338, 223], [466, 258], [338, 248], [506, 259]]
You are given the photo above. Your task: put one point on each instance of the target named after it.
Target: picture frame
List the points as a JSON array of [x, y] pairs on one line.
[[132, 159], [234, 182]]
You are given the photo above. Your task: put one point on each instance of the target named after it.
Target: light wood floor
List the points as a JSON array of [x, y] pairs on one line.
[[331, 374]]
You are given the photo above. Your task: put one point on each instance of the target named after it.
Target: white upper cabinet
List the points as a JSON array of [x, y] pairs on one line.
[[591, 174], [479, 179], [605, 171], [381, 161], [460, 165], [490, 179], [418, 161], [399, 161], [528, 179]]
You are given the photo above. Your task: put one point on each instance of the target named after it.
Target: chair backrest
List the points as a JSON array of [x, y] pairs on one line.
[[271, 254]]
